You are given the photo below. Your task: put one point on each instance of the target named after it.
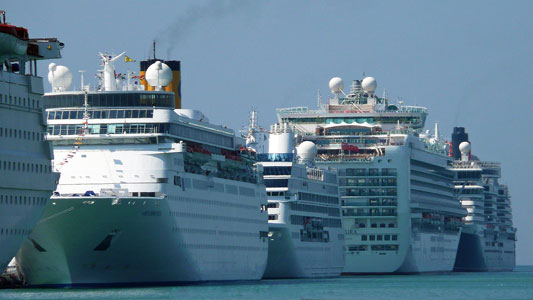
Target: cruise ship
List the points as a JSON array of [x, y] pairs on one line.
[[149, 193], [306, 239], [26, 176], [400, 213], [488, 237]]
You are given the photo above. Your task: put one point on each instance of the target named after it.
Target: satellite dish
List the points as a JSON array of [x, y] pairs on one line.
[[158, 74], [465, 147], [369, 84], [336, 85], [59, 77], [307, 151]]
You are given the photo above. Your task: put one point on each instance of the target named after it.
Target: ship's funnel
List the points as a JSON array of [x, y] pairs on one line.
[[173, 86], [281, 139]]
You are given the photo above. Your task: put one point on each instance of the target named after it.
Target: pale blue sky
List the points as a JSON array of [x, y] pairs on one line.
[[469, 62]]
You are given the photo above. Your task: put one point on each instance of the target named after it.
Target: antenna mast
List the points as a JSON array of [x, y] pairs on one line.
[[82, 81], [86, 110], [154, 49], [385, 98], [319, 96], [253, 119]]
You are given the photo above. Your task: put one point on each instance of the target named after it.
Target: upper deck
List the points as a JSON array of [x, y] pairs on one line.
[[329, 110], [137, 125], [360, 106], [408, 116], [120, 109]]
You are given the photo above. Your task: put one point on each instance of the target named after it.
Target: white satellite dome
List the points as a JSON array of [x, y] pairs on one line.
[[464, 147], [158, 74], [369, 84], [306, 150], [59, 77], [336, 85]]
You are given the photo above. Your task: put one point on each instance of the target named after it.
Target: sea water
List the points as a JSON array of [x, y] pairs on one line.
[[504, 285]]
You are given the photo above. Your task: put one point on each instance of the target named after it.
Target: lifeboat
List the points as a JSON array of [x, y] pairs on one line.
[[349, 147], [13, 39]]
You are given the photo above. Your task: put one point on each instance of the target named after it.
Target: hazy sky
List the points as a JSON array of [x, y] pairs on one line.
[[469, 62]]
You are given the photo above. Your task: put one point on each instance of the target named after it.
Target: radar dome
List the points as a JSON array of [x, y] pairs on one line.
[[306, 150], [158, 74], [369, 84], [464, 147], [59, 77], [336, 84]]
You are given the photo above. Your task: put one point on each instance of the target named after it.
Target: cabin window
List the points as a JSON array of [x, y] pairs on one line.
[[177, 181], [276, 182]]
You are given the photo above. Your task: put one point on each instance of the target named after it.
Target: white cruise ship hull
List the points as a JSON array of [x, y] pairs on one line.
[[431, 252], [102, 241], [289, 257], [426, 253], [415, 250], [476, 254], [501, 259], [26, 181], [305, 238], [499, 253]]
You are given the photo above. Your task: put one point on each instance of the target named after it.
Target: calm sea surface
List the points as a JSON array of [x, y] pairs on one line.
[[509, 285]]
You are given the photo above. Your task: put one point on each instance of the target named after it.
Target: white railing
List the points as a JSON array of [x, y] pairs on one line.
[[349, 109], [471, 164]]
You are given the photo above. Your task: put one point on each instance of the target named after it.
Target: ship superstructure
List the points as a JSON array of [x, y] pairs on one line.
[[26, 176], [149, 194], [399, 209], [306, 239], [488, 238]]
